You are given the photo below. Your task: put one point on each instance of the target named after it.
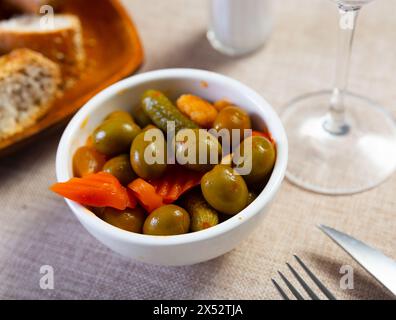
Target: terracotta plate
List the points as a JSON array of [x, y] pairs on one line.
[[113, 51]]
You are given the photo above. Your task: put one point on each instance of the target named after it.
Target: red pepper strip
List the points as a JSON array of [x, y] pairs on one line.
[[146, 195], [176, 182]]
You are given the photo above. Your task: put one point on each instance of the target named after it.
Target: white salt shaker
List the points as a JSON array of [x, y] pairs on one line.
[[238, 27]]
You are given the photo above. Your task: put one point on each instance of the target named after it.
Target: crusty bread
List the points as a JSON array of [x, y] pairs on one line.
[[61, 42], [29, 84], [31, 6]]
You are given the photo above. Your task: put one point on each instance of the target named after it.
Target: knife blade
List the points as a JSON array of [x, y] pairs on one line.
[[381, 267]]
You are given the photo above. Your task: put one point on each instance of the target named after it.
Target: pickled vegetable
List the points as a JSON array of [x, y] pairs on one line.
[[197, 109], [227, 160], [167, 221], [224, 190], [129, 219], [114, 136], [120, 114], [197, 149], [175, 182], [121, 168], [141, 118], [146, 194], [130, 177], [221, 104], [149, 127], [257, 154], [232, 118], [203, 216], [95, 190], [87, 160], [161, 110], [148, 158]]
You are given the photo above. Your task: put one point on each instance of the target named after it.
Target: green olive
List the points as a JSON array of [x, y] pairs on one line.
[[149, 127], [232, 118], [203, 216], [115, 136], [128, 219], [224, 190], [141, 118], [148, 158], [167, 221], [121, 168], [87, 160], [197, 149], [255, 159], [227, 160], [120, 114]]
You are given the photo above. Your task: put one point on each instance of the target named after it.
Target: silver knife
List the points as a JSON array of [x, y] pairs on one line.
[[382, 268]]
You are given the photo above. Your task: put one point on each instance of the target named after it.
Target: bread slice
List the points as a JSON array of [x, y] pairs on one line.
[[31, 6], [29, 84], [60, 41]]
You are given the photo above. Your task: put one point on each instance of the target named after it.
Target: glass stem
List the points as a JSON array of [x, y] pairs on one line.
[[335, 122]]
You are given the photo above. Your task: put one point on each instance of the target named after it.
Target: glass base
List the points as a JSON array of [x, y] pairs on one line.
[[358, 160], [226, 50]]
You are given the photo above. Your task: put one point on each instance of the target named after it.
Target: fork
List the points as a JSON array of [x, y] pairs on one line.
[[308, 290]]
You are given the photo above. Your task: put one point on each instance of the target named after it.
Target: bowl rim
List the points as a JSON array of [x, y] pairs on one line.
[[86, 217]]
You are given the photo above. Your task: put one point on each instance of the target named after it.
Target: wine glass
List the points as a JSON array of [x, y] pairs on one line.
[[340, 142]]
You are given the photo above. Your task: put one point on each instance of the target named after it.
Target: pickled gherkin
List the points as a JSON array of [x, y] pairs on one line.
[[161, 110], [203, 216]]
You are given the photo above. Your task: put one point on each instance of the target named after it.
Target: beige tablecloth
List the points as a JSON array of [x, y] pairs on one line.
[[36, 227]]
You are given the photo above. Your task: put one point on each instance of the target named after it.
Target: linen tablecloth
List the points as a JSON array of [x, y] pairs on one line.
[[37, 228]]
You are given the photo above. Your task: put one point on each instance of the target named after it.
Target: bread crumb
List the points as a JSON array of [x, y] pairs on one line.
[[29, 84]]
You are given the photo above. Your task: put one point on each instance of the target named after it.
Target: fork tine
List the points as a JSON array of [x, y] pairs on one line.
[[321, 286], [291, 287], [303, 283], [280, 290]]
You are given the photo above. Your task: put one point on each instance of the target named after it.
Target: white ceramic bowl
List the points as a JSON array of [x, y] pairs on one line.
[[193, 247]]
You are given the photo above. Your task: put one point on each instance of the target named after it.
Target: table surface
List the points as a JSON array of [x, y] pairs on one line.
[[36, 227]]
